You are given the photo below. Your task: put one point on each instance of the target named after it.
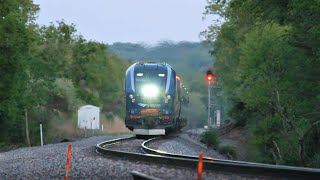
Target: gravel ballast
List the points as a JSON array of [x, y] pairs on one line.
[[184, 146], [48, 162]]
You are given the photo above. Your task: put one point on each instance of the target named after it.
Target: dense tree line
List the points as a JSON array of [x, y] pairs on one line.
[[47, 72], [267, 58]]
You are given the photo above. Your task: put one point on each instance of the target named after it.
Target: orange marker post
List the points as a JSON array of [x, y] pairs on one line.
[[68, 162], [200, 166]]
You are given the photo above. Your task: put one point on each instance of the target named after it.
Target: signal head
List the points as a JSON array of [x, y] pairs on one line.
[[209, 76]]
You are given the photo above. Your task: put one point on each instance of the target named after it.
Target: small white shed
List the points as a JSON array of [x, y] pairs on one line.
[[88, 117]]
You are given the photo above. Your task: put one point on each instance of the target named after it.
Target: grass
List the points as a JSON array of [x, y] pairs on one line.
[[229, 151], [210, 138]]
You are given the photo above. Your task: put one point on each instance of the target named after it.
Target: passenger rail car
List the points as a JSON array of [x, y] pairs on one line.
[[153, 99]]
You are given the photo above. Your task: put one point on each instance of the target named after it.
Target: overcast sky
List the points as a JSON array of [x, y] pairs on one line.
[[109, 21]]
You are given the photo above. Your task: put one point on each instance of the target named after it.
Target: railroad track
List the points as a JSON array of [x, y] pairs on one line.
[[209, 164]]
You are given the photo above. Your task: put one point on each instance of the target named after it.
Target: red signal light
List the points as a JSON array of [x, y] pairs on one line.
[[209, 76]]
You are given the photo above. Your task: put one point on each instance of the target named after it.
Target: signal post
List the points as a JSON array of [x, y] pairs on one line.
[[209, 78]]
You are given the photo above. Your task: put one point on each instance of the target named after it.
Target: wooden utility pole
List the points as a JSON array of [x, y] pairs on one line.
[[27, 127]]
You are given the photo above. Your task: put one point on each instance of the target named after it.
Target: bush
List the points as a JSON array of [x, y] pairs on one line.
[[229, 151], [109, 116], [316, 161], [210, 138], [65, 95]]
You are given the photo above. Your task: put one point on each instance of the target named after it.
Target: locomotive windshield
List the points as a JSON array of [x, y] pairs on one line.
[[150, 83]]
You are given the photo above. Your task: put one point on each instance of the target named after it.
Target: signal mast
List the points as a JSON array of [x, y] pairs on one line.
[[210, 78]]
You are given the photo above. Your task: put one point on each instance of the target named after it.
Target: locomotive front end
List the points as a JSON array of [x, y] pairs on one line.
[[150, 95]]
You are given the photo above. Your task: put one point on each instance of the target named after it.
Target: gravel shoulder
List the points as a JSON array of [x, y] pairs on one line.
[[236, 137], [48, 162], [185, 145]]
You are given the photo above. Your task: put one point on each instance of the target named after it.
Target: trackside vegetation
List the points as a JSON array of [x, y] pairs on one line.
[[47, 73], [211, 139], [267, 58]]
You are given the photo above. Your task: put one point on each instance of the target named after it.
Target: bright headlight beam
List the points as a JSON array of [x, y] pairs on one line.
[[150, 90]]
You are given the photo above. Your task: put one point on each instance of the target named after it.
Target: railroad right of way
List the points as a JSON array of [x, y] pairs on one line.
[[213, 167], [48, 162]]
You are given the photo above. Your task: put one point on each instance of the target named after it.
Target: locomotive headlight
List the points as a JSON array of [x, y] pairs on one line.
[[150, 90]]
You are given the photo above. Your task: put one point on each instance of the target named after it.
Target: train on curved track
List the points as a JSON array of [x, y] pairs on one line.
[[154, 99]]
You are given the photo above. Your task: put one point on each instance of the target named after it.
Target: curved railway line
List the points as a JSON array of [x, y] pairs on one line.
[[143, 152]]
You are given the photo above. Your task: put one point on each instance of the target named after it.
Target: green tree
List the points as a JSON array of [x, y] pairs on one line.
[[266, 55], [16, 33]]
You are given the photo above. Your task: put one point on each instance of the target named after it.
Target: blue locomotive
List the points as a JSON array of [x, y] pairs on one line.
[[153, 99]]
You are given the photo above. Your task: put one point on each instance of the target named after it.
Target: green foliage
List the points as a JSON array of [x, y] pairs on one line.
[[49, 71], [98, 74], [267, 56], [210, 137], [95, 73], [65, 91], [228, 150], [16, 35], [109, 116], [315, 161]]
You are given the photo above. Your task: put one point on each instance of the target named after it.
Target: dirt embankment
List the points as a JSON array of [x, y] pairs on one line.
[[115, 126], [236, 137]]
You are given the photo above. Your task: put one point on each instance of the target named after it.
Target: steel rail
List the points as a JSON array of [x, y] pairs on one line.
[[140, 176], [212, 164]]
